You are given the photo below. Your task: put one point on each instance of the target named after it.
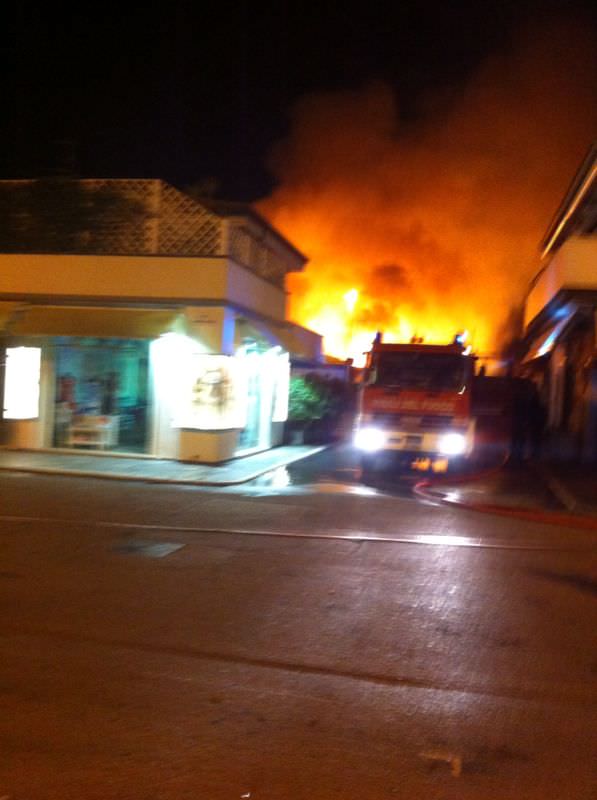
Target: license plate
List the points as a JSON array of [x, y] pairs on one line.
[[411, 422], [414, 441]]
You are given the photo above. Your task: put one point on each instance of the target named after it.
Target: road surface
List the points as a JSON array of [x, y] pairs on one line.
[[301, 637]]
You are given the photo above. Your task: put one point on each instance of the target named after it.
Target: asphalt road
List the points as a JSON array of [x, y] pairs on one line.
[[301, 637]]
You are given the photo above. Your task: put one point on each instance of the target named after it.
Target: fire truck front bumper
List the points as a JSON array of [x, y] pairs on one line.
[[447, 443]]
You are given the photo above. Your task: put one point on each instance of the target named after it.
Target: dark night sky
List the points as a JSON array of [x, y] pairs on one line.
[[191, 91]]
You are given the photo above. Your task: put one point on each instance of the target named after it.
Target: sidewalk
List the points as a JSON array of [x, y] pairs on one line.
[[547, 484], [574, 485], [573, 482], [152, 470], [557, 479], [559, 493]]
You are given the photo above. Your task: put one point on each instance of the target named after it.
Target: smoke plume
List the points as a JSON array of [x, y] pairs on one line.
[[435, 223]]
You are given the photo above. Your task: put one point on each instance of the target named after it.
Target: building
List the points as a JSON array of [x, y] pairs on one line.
[[135, 318], [560, 317]]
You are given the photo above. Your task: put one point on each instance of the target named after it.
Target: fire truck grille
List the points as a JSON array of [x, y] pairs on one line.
[[436, 422], [412, 422]]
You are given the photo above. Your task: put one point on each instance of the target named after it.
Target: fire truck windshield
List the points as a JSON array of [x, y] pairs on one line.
[[434, 372]]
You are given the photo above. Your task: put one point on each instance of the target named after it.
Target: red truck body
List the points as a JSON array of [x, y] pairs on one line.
[[415, 404]]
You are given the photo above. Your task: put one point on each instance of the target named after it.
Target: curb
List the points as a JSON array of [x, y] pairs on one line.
[[111, 476]]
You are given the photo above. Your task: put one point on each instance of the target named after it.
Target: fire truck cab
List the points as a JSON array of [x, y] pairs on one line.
[[415, 406]]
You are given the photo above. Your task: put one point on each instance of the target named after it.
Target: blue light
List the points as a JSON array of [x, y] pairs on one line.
[[560, 313], [548, 343]]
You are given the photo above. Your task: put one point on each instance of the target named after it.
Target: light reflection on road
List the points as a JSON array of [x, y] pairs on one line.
[[280, 481], [331, 472], [446, 539], [280, 478]]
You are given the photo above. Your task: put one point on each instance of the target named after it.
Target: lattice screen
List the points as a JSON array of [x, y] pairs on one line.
[[173, 224], [128, 217], [239, 244], [245, 249], [185, 227], [126, 236], [154, 219]]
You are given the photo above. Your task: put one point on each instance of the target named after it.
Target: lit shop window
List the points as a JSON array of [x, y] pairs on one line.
[[215, 393], [21, 382], [281, 372]]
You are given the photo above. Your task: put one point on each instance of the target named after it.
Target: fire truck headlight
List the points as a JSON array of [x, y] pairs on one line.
[[369, 439], [452, 444]]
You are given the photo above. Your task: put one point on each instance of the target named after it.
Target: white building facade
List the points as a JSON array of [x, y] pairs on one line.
[[161, 333]]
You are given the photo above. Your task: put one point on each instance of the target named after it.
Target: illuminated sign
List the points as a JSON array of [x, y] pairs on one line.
[[21, 382]]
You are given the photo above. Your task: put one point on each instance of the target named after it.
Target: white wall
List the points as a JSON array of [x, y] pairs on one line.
[[213, 326], [207, 446], [129, 278], [163, 368], [252, 292]]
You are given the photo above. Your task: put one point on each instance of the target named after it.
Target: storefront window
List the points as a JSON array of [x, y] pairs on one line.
[[281, 375], [21, 382], [215, 392], [252, 432], [101, 394], [266, 371]]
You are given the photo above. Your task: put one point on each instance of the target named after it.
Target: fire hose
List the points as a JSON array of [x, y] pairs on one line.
[[426, 490]]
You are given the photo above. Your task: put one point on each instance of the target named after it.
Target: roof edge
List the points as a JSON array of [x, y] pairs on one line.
[[581, 182]]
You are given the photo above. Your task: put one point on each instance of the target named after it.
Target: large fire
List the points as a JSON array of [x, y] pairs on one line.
[[426, 229]]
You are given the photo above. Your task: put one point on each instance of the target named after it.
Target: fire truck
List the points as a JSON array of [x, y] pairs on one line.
[[415, 405]]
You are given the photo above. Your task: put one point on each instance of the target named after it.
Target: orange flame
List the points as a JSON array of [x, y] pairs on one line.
[[431, 228]]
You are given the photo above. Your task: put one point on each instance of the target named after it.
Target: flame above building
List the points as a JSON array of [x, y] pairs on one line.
[[427, 228]]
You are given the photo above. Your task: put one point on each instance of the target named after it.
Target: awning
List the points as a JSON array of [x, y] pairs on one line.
[[258, 330], [121, 323], [7, 309], [292, 343], [545, 343], [283, 335]]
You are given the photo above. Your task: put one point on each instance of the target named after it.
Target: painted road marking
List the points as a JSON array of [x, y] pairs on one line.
[[436, 540]]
